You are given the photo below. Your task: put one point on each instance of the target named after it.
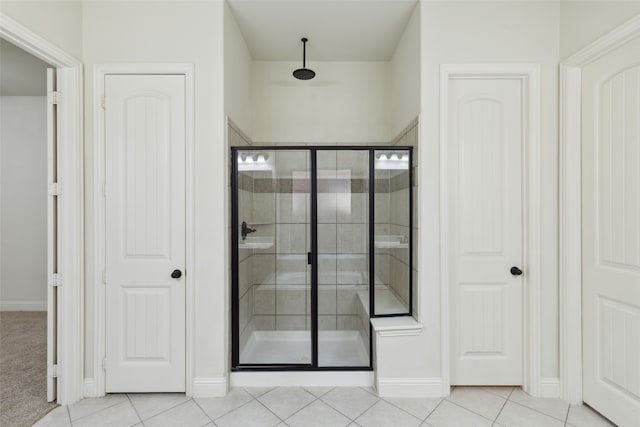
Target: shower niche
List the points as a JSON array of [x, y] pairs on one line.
[[321, 242]]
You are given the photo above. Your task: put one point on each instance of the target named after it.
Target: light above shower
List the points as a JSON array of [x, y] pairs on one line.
[[304, 73], [392, 160], [253, 161]]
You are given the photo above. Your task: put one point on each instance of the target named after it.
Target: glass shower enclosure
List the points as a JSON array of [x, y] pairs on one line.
[[321, 242]]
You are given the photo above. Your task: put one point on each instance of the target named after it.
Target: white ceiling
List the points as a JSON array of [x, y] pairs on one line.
[[21, 74], [338, 30]]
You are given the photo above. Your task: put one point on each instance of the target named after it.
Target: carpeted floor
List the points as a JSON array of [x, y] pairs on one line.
[[23, 368]]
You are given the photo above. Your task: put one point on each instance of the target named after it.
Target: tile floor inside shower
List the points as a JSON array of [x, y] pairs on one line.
[[326, 406]]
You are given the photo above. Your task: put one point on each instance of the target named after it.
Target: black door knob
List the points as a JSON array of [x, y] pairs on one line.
[[516, 271], [176, 274]]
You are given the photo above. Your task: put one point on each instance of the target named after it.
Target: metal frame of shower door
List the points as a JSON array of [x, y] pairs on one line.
[[235, 315]]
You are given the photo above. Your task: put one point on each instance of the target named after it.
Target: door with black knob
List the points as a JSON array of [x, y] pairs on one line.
[[145, 233], [484, 180]]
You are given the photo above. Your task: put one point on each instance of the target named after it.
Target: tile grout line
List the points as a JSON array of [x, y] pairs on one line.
[[495, 420], [205, 412], [93, 413], [434, 409], [534, 410], [134, 408], [566, 418], [267, 408], [166, 410], [235, 409], [467, 409], [69, 415], [308, 404], [404, 410]]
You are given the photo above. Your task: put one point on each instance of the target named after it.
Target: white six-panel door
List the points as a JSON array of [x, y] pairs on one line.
[[145, 232], [611, 234], [484, 151]]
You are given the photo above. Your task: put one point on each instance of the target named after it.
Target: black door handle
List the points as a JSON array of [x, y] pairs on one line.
[[176, 274], [516, 271]]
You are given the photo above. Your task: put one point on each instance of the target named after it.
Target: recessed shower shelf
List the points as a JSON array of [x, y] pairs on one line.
[[256, 243], [391, 242]]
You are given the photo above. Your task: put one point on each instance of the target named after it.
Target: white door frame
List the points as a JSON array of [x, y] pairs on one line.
[[96, 387], [70, 205], [570, 204], [529, 74]]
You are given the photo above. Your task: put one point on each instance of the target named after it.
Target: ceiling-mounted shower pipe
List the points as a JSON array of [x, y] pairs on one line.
[[304, 73]]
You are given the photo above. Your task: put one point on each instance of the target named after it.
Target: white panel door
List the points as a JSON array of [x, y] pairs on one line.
[[611, 234], [485, 204], [52, 238], [145, 229]]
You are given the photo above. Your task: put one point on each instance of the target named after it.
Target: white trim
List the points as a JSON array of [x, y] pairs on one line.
[[550, 388], [209, 387], [529, 74], [409, 387], [70, 321], [570, 204], [90, 388], [99, 350], [23, 306], [403, 326], [303, 379]]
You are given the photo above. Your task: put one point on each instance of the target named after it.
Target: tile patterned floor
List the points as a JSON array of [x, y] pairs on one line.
[[326, 406]]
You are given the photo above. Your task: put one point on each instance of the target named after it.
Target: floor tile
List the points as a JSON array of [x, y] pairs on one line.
[[318, 391], [318, 414], [584, 416], [185, 415], [257, 391], [215, 407], [448, 414], [503, 392], [350, 401], [477, 400], [418, 407], [555, 408], [284, 401], [92, 405], [515, 415], [252, 414], [384, 414], [149, 404], [120, 415], [58, 417]]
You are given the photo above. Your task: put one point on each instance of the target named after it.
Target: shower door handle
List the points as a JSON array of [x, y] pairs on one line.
[[309, 258]]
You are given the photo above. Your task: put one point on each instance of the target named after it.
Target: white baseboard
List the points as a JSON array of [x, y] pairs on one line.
[[550, 387], [409, 387], [89, 388], [23, 306], [209, 387], [303, 379]]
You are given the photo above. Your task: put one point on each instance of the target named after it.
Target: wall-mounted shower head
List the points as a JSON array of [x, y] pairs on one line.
[[304, 73]]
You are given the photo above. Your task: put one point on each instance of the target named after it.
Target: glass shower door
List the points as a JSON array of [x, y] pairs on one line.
[[273, 285], [343, 257]]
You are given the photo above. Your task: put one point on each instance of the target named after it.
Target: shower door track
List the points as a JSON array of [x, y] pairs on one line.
[[236, 366]]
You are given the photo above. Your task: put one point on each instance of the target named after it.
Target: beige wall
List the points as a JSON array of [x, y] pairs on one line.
[[59, 22], [23, 190], [172, 32], [582, 22], [349, 104], [487, 32]]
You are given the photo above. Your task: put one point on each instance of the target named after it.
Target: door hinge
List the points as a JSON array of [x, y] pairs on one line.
[[54, 189], [104, 363], [53, 97], [53, 371], [104, 189], [102, 102], [55, 280], [104, 277]]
